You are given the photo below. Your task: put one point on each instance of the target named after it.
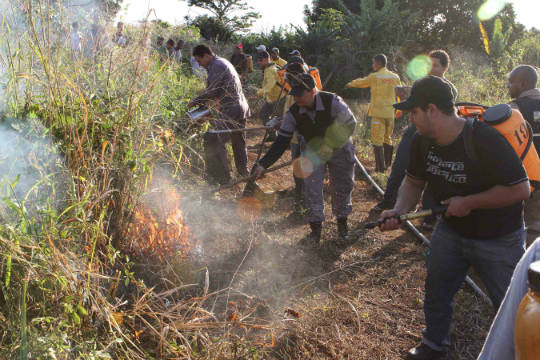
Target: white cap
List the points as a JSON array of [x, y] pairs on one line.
[[261, 48]]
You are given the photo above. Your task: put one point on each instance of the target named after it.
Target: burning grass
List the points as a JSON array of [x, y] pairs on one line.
[[159, 233]]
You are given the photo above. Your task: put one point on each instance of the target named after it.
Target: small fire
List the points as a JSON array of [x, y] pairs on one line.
[[160, 233]]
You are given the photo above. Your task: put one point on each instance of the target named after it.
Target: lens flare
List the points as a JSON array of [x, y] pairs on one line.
[[418, 67], [490, 8], [248, 209], [302, 167], [337, 135]]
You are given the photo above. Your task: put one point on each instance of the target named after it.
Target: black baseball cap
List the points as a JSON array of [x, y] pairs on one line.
[[428, 90], [302, 82], [295, 60]]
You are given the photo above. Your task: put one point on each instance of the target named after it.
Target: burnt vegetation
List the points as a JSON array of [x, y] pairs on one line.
[[108, 247]]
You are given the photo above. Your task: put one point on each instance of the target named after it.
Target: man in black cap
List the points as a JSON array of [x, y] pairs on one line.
[[295, 53], [326, 123], [483, 225]]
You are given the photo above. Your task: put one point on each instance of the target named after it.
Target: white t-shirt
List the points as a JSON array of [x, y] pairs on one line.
[[76, 40]]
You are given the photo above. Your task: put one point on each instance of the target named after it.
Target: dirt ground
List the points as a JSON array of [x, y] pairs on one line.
[[362, 303]]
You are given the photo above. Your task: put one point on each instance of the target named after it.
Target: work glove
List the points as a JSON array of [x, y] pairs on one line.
[[274, 122]]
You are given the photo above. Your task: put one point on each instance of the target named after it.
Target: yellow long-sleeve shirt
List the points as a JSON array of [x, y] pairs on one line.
[[270, 86], [382, 84], [279, 62]]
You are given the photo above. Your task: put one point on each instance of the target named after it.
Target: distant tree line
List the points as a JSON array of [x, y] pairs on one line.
[[341, 36]]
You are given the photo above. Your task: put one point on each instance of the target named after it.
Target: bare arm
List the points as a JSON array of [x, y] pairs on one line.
[[408, 196], [498, 196]]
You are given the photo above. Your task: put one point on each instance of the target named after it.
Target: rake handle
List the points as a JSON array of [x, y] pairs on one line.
[[230, 131], [250, 177]]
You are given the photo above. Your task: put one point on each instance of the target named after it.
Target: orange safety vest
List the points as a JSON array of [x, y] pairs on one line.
[[515, 129], [312, 71]]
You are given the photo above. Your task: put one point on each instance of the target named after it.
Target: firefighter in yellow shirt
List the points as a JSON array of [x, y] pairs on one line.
[[382, 83], [274, 54], [271, 90]]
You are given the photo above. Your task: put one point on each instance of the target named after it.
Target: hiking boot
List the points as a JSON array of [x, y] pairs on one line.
[[383, 205], [313, 239], [388, 152], [379, 158], [424, 352], [343, 231]]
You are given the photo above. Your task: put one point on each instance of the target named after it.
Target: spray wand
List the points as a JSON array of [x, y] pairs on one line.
[[441, 209]]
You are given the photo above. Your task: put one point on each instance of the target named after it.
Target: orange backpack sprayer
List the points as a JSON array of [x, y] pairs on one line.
[[515, 129], [312, 71]]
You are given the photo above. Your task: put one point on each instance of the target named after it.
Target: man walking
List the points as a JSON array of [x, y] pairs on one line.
[[483, 225], [522, 87], [224, 87], [382, 83], [326, 123]]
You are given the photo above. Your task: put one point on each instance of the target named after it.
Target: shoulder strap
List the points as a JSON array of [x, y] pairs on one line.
[[529, 141], [468, 139]]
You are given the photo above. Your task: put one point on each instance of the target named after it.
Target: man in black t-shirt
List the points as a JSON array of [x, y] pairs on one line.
[[483, 226]]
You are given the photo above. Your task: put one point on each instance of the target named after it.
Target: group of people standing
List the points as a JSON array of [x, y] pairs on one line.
[[95, 38], [444, 158]]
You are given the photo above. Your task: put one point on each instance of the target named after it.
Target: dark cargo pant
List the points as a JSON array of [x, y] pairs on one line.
[[269, 110], [217, 163], [341, 171]]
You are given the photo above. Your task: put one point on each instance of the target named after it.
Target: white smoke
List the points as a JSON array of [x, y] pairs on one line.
[[29, 163]]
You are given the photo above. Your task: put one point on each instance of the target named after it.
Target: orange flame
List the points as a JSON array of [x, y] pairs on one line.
[[160, 234]]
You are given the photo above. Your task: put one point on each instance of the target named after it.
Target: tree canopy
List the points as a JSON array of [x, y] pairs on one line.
[[234, 14]]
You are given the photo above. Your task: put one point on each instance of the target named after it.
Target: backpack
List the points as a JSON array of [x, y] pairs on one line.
[[511, 125]]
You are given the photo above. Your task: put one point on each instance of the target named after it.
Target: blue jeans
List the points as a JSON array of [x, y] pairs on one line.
[[449, 260], [401, 162]]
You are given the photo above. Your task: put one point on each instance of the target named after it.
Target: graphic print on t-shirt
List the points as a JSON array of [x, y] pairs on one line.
[[451, 171]]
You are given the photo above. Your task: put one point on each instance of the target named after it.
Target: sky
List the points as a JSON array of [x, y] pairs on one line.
[[275, 12]]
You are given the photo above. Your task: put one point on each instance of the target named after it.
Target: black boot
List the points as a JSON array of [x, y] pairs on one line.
[[388, 152], [313, 239], [298, 213], [424, 352], [343, 231], [379, 158]]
